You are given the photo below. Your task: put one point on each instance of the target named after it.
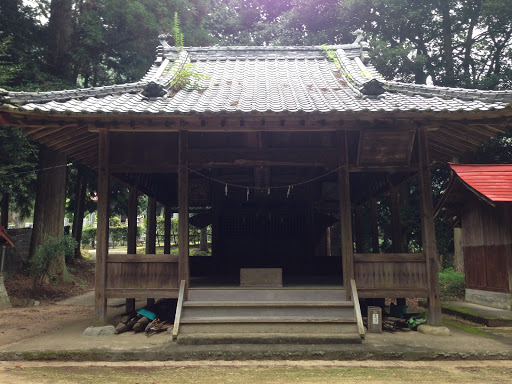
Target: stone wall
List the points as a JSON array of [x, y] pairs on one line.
[[15, 261]]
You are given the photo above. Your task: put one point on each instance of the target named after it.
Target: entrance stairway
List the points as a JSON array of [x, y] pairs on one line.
[[268, 316]]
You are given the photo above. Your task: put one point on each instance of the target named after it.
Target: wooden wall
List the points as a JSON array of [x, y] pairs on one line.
[[142, 276], [391, 275], [487, 245]]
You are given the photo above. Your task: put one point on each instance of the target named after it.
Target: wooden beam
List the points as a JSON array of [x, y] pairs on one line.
[[428, 229], [139, 258], [100, 302], [347, 246], [142, 293], [389, 258], [250, 157], [183, 211]]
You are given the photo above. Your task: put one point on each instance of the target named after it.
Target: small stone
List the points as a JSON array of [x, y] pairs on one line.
[[434, 331], [107, 330], [36, 303]]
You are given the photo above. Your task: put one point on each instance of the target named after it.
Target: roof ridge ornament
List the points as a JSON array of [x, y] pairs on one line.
[[372, 88], [154, 90], [163, 39], [359, 36], [363, 45]]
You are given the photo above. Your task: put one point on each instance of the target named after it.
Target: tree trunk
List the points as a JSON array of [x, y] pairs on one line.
[[446, 25], [203, 239], [78, 216], [4, 219], [50, 203], [60, 28]]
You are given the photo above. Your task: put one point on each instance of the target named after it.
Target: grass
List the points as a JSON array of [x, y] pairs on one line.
[[261, 374], [466, 328], [452, 284]]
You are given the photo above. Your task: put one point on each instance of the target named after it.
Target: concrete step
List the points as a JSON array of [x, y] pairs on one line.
[[285, 328], [267, 303], [266, 338], [239, 309], [266, 294], [264, 319]]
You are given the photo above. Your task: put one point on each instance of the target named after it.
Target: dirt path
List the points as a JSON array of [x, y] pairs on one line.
[[18, 324], [276, 372]]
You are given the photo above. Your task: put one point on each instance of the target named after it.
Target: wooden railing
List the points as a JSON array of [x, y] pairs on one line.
[[142, 276], [357, 309], [391, 275]]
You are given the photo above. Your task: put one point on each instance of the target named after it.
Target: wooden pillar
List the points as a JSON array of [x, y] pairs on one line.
[[183, 269], [167, 230], [347, 246], [328, 244], [151, 233], [428, 228], [100, 302], [396, 229], [375, 225], [131, 248], [151, 227], [358, 227]]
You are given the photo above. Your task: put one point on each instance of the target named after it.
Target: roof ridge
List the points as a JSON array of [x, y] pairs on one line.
[[451, 92]]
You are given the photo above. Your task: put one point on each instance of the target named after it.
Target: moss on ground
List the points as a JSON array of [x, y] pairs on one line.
[[466, 328]]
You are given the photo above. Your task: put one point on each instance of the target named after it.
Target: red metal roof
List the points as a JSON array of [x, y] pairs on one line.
[[493, 181]]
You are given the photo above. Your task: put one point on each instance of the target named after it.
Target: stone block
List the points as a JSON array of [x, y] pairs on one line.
[[106, 330], [261, 277]]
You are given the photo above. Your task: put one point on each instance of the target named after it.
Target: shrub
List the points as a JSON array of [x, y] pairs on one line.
[[47, 253], [452, 284]]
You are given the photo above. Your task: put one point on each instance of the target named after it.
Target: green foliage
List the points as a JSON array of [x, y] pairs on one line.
[[18, 166], [452, 284], [47, 253], [188, 76], [177, 34], [89, 237]]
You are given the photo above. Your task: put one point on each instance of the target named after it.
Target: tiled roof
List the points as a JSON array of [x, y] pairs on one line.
[[492, 181], [261, 80]]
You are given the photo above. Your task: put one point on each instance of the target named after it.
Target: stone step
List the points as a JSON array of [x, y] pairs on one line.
[[264, 319], [266, 294], [308, 309], [267, 338], [268, 303], [306, 328]]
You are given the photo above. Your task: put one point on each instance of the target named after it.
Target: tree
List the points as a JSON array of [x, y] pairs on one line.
[[49, 205]]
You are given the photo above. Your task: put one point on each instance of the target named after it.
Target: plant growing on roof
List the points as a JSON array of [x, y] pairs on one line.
[[187, 75]]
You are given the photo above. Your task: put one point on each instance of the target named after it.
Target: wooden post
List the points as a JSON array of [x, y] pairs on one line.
[[375, 225], [167, 230], [183, 269], [151, 227], [100, 302], [347, 246], [428, 228], [358, 227], [131, 248], [396, 229], [151, 233]]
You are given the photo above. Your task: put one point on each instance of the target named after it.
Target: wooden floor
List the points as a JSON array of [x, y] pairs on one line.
[[293, 281]]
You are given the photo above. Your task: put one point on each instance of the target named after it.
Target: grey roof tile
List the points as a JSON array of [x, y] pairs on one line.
[[260, 80]]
